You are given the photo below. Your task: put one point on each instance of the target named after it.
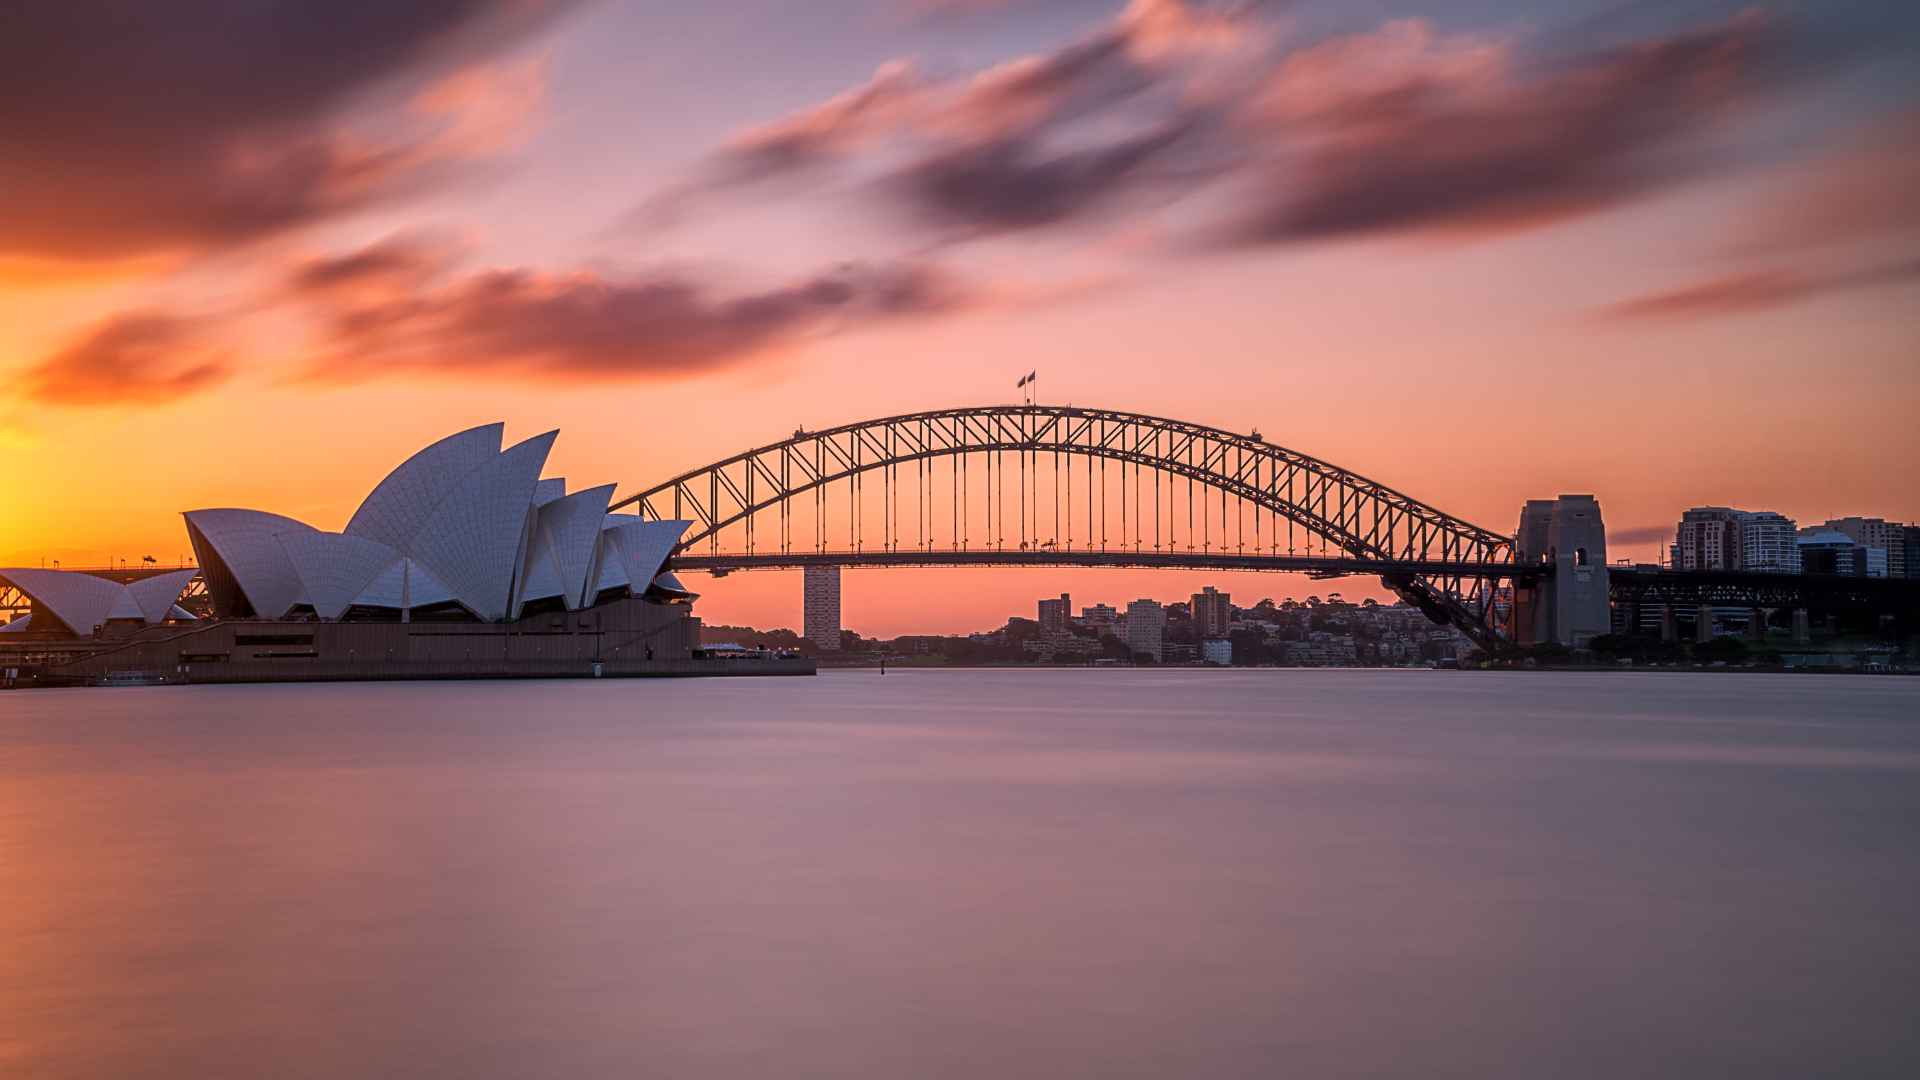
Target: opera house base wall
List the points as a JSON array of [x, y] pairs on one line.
[[619, 639]]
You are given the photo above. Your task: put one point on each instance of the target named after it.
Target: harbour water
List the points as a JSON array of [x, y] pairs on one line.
[[1062, 873]]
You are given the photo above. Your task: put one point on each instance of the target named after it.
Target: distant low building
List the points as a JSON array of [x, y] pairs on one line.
[[1099, 618], [1829, 551], [1061, 646], [1888, 536], [1217, 651]]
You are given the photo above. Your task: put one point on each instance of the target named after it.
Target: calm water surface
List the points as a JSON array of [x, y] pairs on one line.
[[947, 874]]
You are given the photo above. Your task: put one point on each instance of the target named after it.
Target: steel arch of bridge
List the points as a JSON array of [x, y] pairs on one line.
[[1447, 566]]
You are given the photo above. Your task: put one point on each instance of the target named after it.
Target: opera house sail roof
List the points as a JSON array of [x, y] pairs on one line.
[[80, 603], [462, 527]]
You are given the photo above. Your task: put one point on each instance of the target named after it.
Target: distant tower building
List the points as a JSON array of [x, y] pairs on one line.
[[1212, 611], [1054, 614], [1868, 532], [1146, 628], [1769, 543], [1708, 538], [823, 607]]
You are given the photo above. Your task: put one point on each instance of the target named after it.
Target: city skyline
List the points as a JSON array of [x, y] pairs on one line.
[[1701, 300]]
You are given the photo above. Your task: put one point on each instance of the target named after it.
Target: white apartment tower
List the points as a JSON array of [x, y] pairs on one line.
[[1769, 543], [1146, 628]]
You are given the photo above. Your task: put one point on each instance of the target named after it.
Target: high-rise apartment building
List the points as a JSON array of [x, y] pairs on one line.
[[1146, 628], [1212, 612], [1722, 538], [1054, 614], [822, 607], [1769, 543], [1707, 538], [1879, 533]]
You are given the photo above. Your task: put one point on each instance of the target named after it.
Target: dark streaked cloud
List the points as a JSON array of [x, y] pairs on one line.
[[133, 129], [1017, 182], [1402, 129], [142, 358], [392, 266], [834, 126], [1395, 130], [1863, 190], [1639, 534], [989, 128], [403, 306], [1757, 290], [526, 324]]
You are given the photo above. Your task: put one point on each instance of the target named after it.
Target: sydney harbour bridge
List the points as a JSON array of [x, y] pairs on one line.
[[1041, 485]]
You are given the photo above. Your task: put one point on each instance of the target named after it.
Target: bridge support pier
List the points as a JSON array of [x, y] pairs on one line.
[[820, 607], [1757, 624], [1703, 624], [1571, 606], [1669, 626], [1802, 627]]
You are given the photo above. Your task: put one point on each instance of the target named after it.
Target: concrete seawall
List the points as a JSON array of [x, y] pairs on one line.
[[629, 638]]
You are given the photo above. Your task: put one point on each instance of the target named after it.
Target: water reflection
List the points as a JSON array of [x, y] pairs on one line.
[[964, 874]]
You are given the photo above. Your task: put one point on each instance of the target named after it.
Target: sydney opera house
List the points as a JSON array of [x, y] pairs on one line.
[[462, 530], [463, 562]]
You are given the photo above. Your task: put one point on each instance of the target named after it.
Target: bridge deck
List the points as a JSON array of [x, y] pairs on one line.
[[1327, 566]]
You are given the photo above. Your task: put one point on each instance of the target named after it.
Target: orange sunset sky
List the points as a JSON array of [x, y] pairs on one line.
[[1665, 253]]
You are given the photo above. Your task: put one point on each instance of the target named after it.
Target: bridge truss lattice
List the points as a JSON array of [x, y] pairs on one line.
[[1051, 485]]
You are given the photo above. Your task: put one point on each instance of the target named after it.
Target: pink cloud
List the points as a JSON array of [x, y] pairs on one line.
[[144, 358], [519, 323]]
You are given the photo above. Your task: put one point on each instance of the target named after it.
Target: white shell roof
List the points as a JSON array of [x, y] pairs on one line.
[[635, 550], [19, 625], [472, 541], [81, 602], [335, 568], [459, 521], [565, 544], [404, 583], [155, 595], [248, 543], [395, 511]]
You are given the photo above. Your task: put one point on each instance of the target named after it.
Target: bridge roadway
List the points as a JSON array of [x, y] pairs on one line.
[[1323, 566]]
